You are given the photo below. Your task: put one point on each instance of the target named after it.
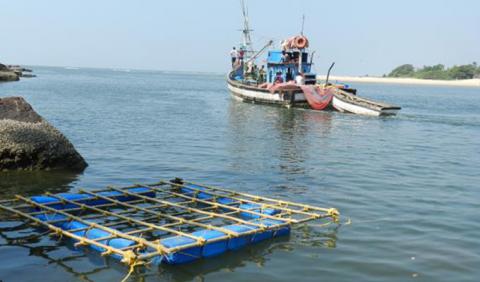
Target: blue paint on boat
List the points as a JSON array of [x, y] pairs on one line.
[[287, 70]]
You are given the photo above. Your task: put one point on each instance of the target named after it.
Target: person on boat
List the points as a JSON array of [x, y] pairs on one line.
[[250, 67], [285, 57], [233, 55], [250, 70], [289, 75], [278, 78], [284, 44], [241, 53], [237, 64], [300, 79], [239, 60], [255, 71], [261, 75]]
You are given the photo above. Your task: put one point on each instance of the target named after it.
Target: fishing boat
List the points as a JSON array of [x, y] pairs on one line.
[[289, 80], [267, 92]]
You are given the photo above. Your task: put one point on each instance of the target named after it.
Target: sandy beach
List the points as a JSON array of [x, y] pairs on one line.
[[409, 81]]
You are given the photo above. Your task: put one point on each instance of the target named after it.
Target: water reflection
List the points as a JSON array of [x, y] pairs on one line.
[[314, 235], [87, 265], [291, 140], [18, 237], [275, 140], [257, 255], [228, 262], [293, 129], [30, 183]]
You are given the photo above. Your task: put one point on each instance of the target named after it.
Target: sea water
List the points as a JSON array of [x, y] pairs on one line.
[[409, 183]]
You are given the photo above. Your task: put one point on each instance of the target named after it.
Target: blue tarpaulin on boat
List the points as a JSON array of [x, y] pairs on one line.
[[274, 57]]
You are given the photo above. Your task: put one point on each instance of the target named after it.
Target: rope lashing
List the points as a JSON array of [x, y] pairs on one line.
[[332, 212]]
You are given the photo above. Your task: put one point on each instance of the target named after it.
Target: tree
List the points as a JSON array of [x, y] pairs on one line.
[[432, 72], [406, 70], [462, 72], [477, 71], [438, 72]]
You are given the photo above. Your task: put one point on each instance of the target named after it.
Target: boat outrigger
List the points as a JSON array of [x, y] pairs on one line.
[[289, 81]]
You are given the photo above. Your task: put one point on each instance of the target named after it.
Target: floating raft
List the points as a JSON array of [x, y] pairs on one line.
[[169, 222]]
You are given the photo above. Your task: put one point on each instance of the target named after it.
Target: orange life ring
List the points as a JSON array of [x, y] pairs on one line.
[[301, 42]]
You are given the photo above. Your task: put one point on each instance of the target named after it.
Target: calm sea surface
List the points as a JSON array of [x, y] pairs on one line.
[[410, 184]]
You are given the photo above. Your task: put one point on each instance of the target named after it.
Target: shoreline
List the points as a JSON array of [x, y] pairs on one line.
[[405, 81]]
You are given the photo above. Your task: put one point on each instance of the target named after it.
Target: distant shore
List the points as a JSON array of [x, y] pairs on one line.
[[409, 81]]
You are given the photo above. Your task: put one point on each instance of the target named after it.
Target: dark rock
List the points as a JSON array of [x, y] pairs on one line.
[[16, 108], [13, 72], [17, 68], [29, 142], [8, 75]]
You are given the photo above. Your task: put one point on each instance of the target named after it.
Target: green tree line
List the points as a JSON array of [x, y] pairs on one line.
[[437, 72]]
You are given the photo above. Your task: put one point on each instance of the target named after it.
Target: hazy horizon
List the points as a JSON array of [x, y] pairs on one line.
[[371, 37]]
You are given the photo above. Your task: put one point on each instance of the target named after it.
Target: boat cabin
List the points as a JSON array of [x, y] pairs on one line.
[[282, 65], [288, 64]]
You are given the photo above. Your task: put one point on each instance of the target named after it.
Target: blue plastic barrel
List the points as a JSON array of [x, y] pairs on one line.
[[90, 199], [256, 208], [183, 256], [213, 248]]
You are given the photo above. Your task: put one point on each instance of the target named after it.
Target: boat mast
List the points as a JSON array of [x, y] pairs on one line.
[[247, 40], [303, 23], [300, 56]]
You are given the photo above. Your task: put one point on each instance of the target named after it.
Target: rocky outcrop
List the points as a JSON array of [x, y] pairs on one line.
[[18, 68], [29, 142], [13, 73], [7, 74]]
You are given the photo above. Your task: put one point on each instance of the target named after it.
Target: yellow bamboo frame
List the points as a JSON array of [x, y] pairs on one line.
[[261, 204], [165, 197], [255, 197], [128, 257]]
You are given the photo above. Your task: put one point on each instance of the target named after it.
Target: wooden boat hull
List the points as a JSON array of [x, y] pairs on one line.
[[346, 102], [254, 94], [342, 100]]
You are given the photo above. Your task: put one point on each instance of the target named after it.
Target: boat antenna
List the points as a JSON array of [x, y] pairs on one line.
[[247, 40], [303, 23], [328, 73]]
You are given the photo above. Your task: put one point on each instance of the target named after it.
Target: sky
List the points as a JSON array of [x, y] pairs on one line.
[[363, 37]]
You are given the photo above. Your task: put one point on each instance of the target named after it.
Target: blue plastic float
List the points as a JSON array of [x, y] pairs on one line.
[[209, 249]]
